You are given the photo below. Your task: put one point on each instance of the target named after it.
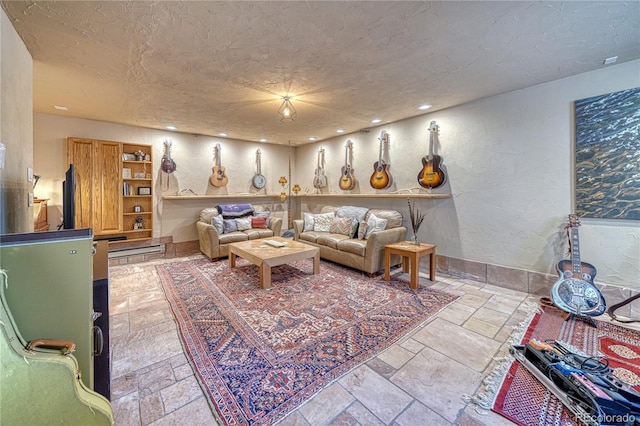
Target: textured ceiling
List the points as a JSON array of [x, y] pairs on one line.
[[211, 67]]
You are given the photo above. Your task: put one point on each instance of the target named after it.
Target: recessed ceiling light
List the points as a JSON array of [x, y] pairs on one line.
[[340, 131], [171, 127], [224, 135], [262, 140], [376, 120], [611, 60], [61, 108], [424, 106], [312, 138]]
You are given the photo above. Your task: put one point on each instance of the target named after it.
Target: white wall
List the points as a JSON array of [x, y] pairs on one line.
[[509, 161], [16, 130], [508, 158]]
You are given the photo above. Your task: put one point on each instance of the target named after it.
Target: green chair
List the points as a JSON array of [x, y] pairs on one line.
[[42, 386]]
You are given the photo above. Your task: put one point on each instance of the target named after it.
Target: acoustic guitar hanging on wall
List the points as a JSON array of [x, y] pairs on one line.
[[218, 177], [320, 179], [348, 178], [431, 176], [381, 178]]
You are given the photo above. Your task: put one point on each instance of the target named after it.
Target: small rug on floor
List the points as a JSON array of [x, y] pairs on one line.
[[516, 394], [260, 353]]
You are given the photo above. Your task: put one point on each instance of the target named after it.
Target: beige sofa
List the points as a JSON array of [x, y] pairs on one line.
[[366, 255], [215, 245]]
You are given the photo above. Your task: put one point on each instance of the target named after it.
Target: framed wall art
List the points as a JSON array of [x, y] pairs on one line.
[[144, 190], [607, 156]]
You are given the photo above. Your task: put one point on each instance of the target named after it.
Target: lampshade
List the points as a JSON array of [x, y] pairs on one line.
[[287, 111], [282, 181], [296, 188]]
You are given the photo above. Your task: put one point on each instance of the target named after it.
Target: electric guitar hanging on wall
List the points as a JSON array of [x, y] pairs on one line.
[[381, 178], [348, 178], [320, 179], [575, 292], [218, 177], [258, 180], [431, 176]]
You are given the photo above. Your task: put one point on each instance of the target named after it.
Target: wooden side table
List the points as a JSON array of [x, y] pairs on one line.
[[410, 254]]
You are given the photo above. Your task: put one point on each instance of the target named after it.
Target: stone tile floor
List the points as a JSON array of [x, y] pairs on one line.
[[421, 380]]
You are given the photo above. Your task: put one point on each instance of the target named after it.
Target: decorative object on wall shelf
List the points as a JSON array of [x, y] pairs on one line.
[[139, 175], [126, 173], [138, 225], [137, 209], [348, 178], [416, 217], [128, 157], [144, 190]]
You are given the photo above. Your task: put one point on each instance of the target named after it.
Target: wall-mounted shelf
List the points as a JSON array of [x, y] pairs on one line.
[[373, 195], [219, 197]]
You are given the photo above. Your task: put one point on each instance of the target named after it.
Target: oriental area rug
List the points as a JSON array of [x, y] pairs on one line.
[[260, 353], [517, 395]]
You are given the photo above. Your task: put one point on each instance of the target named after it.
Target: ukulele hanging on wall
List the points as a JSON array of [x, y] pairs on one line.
[[218, 177], [431, 176], [348, 178], [381, 178]]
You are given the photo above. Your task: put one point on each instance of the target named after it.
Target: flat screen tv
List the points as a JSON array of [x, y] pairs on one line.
[[68, 199]]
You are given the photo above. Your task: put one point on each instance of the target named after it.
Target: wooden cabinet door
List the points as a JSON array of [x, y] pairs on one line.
[[80, 154], [107, 184]]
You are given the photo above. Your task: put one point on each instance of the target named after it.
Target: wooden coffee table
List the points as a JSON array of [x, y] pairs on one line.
[[265, 256], [411, 255]]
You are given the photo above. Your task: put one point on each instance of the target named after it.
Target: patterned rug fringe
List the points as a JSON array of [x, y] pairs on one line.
[[487, 394]]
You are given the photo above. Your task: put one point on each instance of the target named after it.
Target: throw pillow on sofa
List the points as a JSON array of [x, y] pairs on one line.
[[229, 226], [243, 224], [308, 222], [341, 225], [259, 222], [322, 222], [375, 224], [356, 214], [218, 223], [362, 230]]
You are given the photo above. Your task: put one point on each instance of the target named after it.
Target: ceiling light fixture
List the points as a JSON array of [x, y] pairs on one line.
[[340, 131], [376, 120], [312, 138], [222, 134], [609, 61], [262, 140], [170, 127], [61, 108], [424, 106], [287, 111]]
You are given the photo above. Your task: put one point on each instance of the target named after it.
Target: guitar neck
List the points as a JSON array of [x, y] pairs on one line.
[[575, 251], [259, 163], [218, 159]]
